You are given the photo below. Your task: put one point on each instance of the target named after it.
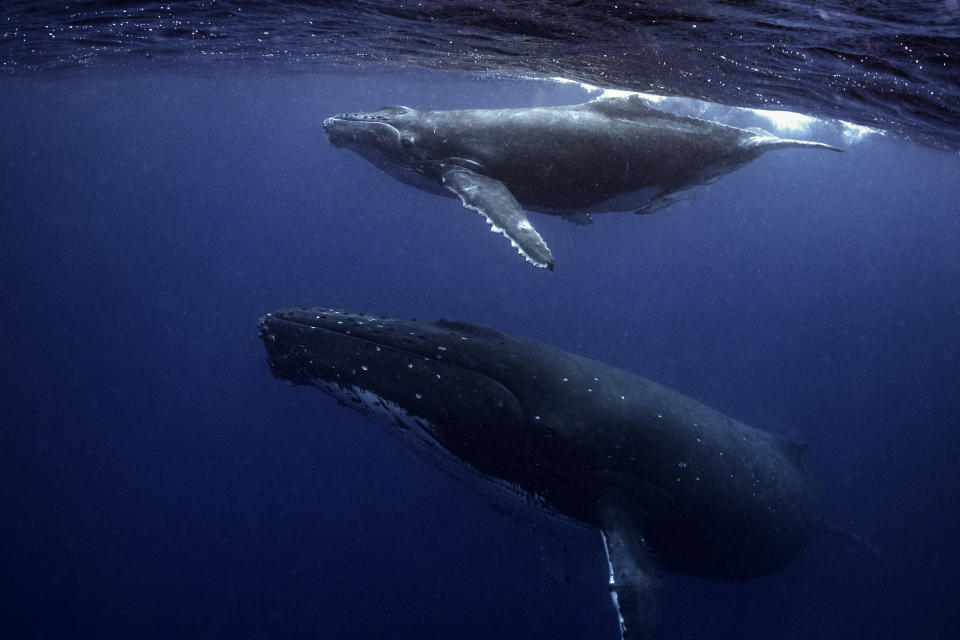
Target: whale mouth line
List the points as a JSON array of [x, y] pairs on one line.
[[356, 117], [346, 131]]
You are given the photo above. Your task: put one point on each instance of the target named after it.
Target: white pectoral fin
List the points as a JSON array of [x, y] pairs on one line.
[[634, 583], [493, 200]]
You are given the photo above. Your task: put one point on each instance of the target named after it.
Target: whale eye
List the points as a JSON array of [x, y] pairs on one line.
[[406, 142]]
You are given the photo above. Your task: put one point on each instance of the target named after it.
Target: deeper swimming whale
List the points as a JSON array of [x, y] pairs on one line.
[[657, 473], [610, 154]]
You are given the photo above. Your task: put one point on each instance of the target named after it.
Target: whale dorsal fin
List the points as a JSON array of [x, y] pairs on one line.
[[792, 449], [493, 200], [623, 107]]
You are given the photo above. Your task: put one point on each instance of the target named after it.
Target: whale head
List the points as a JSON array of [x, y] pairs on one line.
[[383, 137]]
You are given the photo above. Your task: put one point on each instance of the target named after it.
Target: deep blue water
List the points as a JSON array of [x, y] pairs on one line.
[[157, 482]]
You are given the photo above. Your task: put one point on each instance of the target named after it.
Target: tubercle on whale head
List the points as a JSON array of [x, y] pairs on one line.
[[383, 114]]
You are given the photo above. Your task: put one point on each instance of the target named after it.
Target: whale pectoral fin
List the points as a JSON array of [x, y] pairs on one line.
[[634, 583], [493, 200]]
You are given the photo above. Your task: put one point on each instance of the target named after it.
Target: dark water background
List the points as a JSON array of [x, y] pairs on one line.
[[156, 482]]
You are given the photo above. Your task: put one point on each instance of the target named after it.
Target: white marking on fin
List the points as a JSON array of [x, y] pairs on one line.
[[613, 585], [501, 231]]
